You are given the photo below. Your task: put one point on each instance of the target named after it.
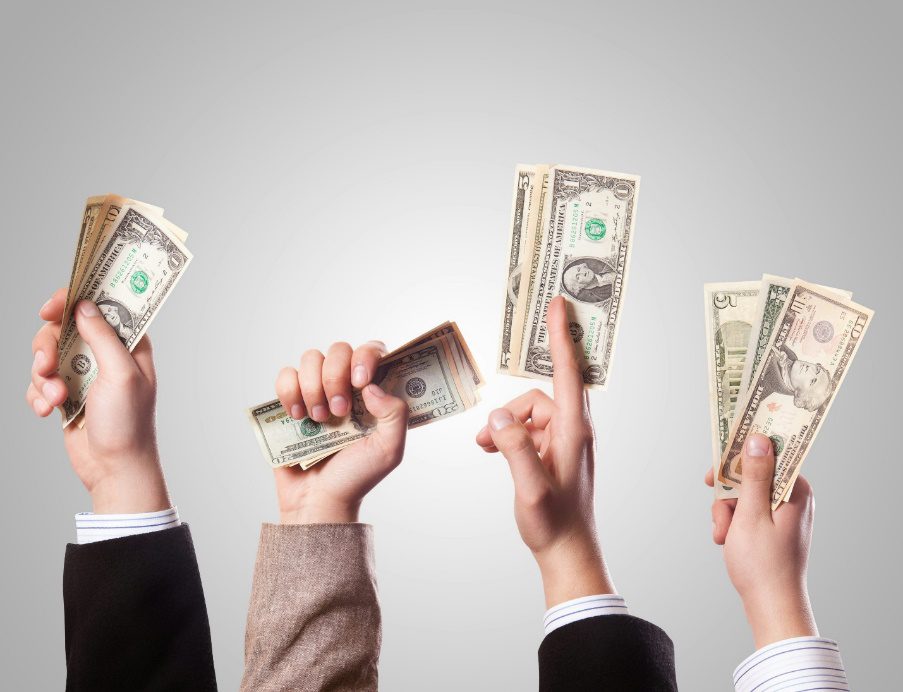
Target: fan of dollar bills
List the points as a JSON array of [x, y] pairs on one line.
[[435, 374], [778, 350], [127, 261], [571, 235]]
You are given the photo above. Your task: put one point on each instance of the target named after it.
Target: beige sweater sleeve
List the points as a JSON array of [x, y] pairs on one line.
[[314, 620]]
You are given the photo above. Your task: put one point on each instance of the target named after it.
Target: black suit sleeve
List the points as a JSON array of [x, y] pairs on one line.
[[135, 615], [607, 652]]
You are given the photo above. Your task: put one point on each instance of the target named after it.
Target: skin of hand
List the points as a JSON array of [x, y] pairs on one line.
[[332, 491], [549, 444], [115, 453], [767, 553]]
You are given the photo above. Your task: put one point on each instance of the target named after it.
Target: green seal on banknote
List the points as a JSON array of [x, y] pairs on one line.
[[594, 229], [778, 443], [309, 427], [139, 282]]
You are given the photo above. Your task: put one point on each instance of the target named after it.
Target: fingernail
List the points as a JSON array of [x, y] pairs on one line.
[[87, 308], [38, 405], [44, 306], [319, 413], [339, 405], [49, 391], [359, 376], [39, 359], [297, 412], [500, 418], [483, 431], [758, 446], [376, 390]]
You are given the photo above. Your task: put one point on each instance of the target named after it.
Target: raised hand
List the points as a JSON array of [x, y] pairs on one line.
[[550, 446], [115, 452], [332, 491], [767, 553]]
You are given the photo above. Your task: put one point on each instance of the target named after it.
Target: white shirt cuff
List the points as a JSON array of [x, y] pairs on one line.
[[793, 665], [90, 527], [582, 608]]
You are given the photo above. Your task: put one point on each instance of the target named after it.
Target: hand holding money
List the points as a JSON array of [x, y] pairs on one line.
[[115, 452], [127, 261], [767, 553], [322, 386], [778, 352], [434, 374]]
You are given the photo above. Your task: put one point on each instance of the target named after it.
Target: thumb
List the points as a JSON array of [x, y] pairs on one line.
[[758, 475], [391, 415], [111, 354], [510, 437]]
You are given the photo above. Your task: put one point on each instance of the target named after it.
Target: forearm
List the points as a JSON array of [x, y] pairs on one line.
[[314, 619], [136, 486], [573, 569], [784, 615]]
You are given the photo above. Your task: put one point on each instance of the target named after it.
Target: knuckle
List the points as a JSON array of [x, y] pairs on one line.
[[400, 408], [311, 356], [313, 394], [334, 377], [340, 347], [536, 498], [520, 442], [38, 339]]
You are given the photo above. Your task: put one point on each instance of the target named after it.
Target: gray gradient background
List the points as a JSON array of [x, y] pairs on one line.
[[346, 174]]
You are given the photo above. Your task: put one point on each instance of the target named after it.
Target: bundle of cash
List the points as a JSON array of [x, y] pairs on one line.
[[778, 350], [127, 261], [435, 374], [571, 235]]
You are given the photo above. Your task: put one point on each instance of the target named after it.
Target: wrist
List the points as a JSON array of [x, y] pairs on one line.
[[321, 513], [779, 614], [134, 489], [573, 568]]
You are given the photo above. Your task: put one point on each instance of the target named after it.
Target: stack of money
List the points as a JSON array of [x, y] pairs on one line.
[[571, 235], [778, 350], [435, 374], [127, 261]]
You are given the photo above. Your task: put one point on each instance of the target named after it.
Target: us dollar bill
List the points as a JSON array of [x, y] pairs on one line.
[[582, 251], [529, 266], [527, 194], [772, 297], [137, 262], [815, 339], [730, 310], [434, 374]]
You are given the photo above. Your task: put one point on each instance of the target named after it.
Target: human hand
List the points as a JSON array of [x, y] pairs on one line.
[[332, 491], [767, 552], [550, 447], [115, 453]]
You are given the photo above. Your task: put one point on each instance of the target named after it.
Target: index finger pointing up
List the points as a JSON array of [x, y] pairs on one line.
[[567, 377]]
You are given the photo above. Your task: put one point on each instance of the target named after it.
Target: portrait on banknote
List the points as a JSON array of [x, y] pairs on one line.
[[588, 280], [808, 383], [118, 317]]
